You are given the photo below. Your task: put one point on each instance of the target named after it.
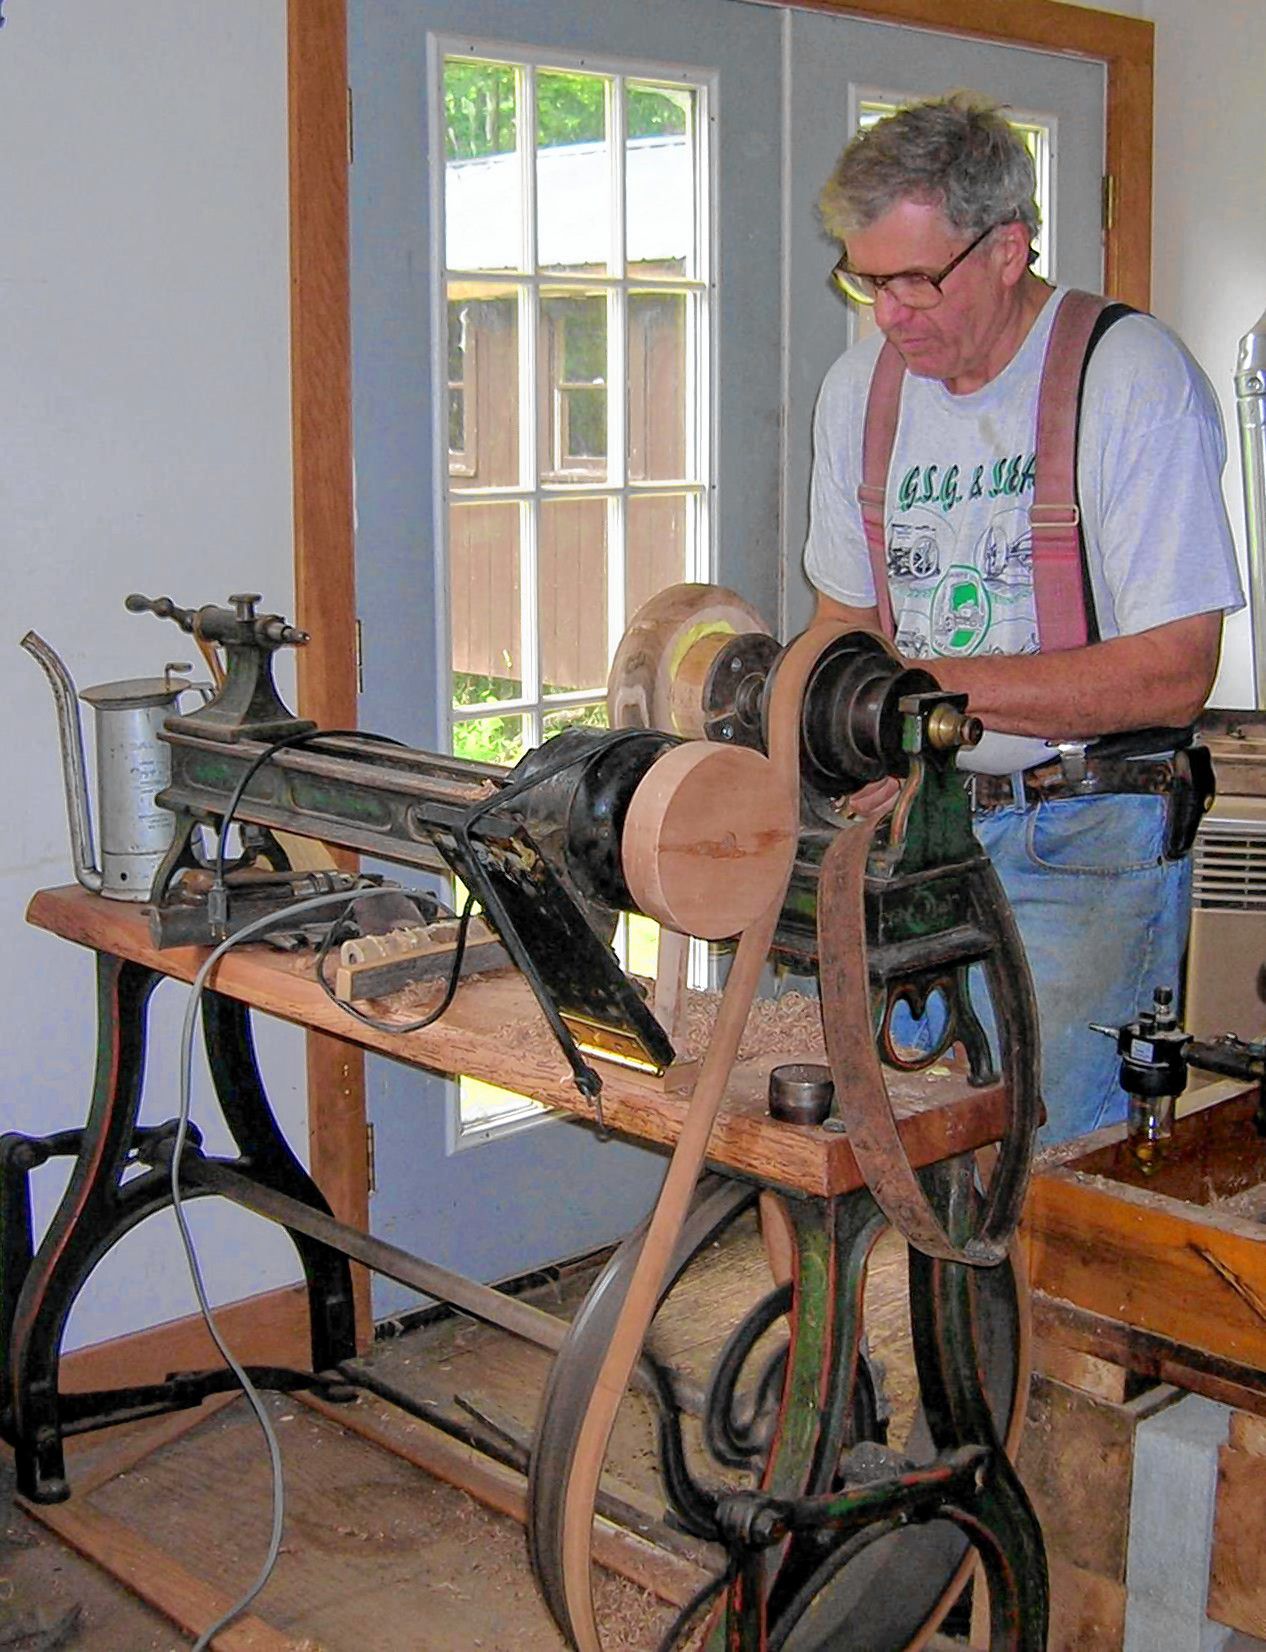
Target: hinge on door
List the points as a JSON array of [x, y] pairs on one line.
[[351, 137], [360, 660], [371, 1161], [1109, 201]]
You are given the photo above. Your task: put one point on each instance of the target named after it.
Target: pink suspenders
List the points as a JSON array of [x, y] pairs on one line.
[[1058, 580], [879, 434]]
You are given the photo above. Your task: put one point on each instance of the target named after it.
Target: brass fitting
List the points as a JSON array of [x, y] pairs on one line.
[[948, 728]]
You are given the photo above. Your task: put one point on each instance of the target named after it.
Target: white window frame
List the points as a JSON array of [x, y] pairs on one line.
[[617, 490], [702, 435]]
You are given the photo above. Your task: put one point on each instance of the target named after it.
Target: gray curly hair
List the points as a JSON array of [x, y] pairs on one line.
[[958, 152]]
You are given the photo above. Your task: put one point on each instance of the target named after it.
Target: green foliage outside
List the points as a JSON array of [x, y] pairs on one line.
[[500, 739], [481, 116], [487, 739]]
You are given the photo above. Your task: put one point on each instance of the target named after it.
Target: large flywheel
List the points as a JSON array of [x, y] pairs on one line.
[[885, 1594]]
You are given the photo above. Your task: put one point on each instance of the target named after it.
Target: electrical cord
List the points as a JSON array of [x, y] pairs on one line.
[[250, 932]]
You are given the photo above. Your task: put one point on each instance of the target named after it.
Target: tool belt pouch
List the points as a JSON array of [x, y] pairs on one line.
[[1193, 791]]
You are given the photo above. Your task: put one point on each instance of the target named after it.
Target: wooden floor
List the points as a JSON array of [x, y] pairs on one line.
[[377, 1554]]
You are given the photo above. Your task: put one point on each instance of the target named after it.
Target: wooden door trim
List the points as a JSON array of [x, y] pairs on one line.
[[321, 375], [324, 543]]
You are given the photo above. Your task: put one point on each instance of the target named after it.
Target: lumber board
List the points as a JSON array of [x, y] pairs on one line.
[[493, 1031], [157, 1577], [1100, 1378], [1076, 1460], [137, 1441], [1171, 1255], [1087, 1611], [1237, 1582], [1147, 1265], [1247, 1432], [269, 1329], [1146, 1354]]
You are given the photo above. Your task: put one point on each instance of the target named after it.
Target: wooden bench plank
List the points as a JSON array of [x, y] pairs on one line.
[[495, 1031]]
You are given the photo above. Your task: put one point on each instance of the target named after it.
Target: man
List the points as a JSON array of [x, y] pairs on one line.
[[935, 210]]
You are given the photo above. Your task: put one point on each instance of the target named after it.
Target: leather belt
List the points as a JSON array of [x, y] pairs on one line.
[[1051, 781]]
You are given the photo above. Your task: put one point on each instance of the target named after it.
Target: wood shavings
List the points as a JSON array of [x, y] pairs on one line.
[[790, 1025], [1249, 1205]]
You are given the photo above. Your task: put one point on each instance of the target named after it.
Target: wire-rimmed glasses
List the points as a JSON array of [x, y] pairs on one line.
[[916, 289]]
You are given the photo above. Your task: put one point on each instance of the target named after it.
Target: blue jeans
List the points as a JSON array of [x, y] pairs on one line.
[[1104, 919]]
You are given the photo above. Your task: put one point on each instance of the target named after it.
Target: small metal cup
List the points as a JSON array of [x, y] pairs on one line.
[[801, 1092]]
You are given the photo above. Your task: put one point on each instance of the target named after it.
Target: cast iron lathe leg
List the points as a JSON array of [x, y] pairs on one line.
[[38, 1288], [873, 1547], [832, 1241], [1000, 1519], [84, 1226], [268, 1159]]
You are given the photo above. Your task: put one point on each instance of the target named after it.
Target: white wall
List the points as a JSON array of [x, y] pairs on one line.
[[1209, 235], [1208, 226], [144, 374]]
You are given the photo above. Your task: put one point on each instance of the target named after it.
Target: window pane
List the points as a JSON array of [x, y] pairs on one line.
[[573, 173], [660, 180], [489, 1104], [490, 739], [483, 209], [485, 601], [573, 386], [483, 369], [565, 435], [657, 546], [573, 594], [657, 387]]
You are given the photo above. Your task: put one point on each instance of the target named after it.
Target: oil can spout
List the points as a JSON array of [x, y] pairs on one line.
[[73, 771]]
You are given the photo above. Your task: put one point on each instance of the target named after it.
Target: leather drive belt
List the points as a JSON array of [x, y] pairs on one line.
[[1049, 781]]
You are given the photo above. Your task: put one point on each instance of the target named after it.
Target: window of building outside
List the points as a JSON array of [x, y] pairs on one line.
[[578, 322]]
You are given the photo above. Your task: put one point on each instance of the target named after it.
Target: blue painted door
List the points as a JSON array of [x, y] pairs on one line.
[[784, 88]]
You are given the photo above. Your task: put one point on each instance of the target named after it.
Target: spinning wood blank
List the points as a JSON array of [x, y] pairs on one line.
[[708, 839], [653, 649]]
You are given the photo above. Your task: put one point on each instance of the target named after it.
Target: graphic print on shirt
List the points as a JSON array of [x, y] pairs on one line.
[[961, 575]]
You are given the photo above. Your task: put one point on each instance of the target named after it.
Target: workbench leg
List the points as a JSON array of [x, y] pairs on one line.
[[267, 1158], [816, 1423], [83, 1228], [821, 1407]]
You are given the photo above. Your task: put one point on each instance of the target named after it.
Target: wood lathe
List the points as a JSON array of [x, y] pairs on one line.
[[716, 804]]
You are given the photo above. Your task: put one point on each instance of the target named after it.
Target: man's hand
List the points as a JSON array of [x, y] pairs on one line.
[[877, 798]]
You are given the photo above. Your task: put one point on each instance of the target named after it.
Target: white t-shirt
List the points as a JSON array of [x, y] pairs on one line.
[[1150, 456]]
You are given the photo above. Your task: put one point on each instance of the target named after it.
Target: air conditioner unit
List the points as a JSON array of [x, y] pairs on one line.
[[1226, 955]]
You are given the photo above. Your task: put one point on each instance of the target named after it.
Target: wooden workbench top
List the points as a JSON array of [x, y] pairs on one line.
[[493, 1031]]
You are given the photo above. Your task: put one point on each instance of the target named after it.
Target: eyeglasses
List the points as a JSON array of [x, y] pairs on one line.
[[916, 289]]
